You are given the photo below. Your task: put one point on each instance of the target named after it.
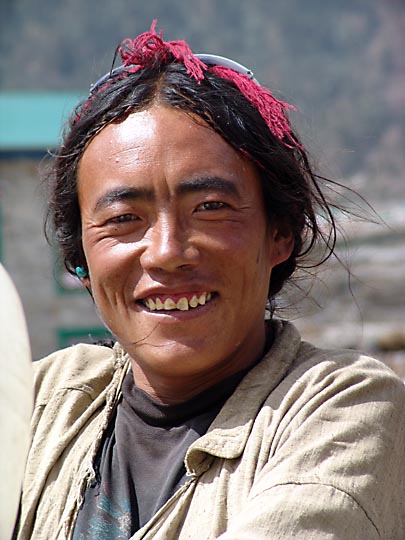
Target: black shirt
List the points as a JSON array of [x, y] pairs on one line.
[[141, 460]]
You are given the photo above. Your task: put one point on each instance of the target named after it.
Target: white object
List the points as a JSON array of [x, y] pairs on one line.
[[16, 401]]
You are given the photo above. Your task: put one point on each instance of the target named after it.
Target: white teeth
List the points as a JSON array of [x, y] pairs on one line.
[[183, 304]]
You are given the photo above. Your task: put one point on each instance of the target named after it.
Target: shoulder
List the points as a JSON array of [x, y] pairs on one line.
[[337, 419], [343, 368], [344, 393], [314, 375], [309, 361], [83, 367]]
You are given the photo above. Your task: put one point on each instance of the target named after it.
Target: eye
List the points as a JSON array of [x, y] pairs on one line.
[[211, 205], [124, 218]]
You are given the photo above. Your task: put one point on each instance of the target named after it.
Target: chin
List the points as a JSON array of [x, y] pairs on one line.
[[178, 357]]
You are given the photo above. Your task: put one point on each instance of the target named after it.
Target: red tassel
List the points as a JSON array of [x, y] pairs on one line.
[[149, 47], [271, 109]]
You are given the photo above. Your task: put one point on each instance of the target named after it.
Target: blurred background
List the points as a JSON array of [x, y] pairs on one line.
[[340, 62]]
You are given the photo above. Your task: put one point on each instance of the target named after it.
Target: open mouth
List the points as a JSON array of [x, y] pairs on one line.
[[183, 303]]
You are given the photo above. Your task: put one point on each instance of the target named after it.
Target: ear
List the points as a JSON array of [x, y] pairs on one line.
[[86, 282], [282, 243], [82, 274]]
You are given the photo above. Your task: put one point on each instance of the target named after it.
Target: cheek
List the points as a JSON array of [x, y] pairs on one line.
[[108, 254], [112, 267], [251, 261], [263, 269], [263, 264]]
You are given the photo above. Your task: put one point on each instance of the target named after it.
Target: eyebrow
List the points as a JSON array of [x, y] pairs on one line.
[[123, 194], [207, 183], [195, 185]]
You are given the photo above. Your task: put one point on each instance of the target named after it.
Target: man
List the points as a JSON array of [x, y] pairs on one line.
[[183, 200]]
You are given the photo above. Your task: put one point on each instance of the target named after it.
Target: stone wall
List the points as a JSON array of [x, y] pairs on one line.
[[368, 317], [54, 313]]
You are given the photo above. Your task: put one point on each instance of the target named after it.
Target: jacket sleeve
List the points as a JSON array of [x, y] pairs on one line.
[[336, 463], [304, 512]]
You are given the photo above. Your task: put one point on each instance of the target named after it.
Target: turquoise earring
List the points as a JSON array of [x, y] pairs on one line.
[[81, 273]]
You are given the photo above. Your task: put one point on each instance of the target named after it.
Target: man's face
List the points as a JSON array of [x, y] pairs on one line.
[[178, 246]]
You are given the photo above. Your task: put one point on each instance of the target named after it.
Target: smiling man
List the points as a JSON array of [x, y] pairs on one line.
[[179, 249], [184, 201]]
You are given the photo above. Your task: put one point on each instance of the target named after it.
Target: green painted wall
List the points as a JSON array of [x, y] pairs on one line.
[[33, 120]]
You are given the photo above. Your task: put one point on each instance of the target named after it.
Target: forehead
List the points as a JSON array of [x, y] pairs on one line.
[[158, 144]]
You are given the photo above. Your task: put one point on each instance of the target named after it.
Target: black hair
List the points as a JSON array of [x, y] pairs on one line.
[[292, 192]]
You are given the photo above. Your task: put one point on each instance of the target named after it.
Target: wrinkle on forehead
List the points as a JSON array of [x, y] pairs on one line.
[[139, 137], [161, 143]]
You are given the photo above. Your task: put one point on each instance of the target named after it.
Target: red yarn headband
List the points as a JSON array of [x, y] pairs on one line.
[[149, 49]]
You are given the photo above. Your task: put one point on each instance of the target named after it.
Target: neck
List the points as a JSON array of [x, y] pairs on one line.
[[174, 388]]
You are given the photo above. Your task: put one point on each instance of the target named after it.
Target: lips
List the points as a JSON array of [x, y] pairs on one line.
[[182, 302]]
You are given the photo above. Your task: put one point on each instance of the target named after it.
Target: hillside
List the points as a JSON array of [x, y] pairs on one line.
[[340, 62]]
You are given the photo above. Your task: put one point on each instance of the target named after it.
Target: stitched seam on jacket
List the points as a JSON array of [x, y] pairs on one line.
[[324, 485], [85, 389]]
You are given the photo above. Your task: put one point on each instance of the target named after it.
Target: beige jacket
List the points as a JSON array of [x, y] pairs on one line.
[[310, 446]]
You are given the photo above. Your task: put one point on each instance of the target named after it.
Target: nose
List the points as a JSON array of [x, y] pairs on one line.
[[168, 246]]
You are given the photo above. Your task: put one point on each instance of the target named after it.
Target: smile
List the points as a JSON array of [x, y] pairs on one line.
[[184, 303]]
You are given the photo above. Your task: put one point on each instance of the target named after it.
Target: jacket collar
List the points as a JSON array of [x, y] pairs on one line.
[[229, 433]]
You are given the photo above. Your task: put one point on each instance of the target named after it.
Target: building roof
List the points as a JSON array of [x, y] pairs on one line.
[[33, 121]]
